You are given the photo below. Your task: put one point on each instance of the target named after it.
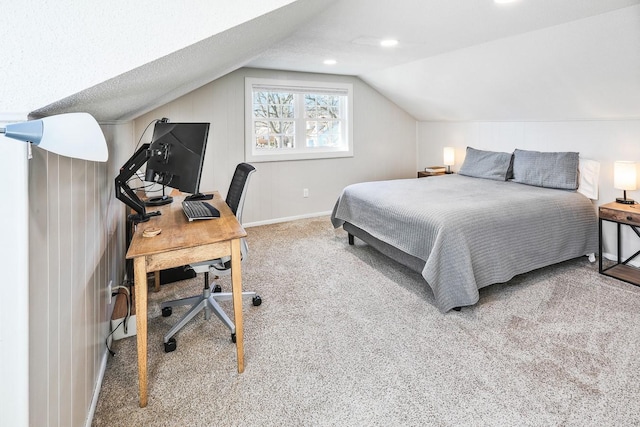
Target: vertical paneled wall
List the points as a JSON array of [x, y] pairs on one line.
[[76, 246]]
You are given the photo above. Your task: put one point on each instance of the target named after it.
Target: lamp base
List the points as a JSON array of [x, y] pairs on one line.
[[625, 201]]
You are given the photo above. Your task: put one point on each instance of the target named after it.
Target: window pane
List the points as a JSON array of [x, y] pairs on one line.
[[261, 128], [322, 106], [286, 112], [296, 121], [275, 127], [263, 143], [287, 142], [324, 134], [260, 110], [288, 128], [312, 128], [279, 98]]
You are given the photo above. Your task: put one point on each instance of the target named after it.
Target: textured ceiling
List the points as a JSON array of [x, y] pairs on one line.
[[157, 82], [58, 48], [477, 60], [138, 91], [456, 60]]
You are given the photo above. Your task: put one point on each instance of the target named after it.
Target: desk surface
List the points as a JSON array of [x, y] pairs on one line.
[[178, 233]]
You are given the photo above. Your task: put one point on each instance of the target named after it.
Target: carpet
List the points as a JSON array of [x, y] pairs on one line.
[[348, 337]]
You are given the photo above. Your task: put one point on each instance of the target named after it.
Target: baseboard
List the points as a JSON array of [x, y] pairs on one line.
[[96, 389], [285, 219], [613, 257]]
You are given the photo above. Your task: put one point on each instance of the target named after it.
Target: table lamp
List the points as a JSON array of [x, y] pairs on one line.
[[624, 178], [449, 158], [75, 135]]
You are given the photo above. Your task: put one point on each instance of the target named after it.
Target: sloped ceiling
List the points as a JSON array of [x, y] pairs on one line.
[[157, 82], [478, 60], [56, 49], [456, 59]]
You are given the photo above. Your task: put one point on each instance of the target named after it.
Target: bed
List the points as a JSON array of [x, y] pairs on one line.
[[495, 219]]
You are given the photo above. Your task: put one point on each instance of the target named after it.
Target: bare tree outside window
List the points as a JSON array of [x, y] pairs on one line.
[[305, 120], [277, 128]]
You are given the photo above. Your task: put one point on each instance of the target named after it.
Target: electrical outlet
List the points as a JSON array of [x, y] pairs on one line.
[[305, 192], [110, 291]]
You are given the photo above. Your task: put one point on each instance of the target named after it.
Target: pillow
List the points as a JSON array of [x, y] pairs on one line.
[[588, 176], [549, 170], [486, 164]]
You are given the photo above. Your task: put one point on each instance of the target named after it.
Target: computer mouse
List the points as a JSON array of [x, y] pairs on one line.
[[199, 196]]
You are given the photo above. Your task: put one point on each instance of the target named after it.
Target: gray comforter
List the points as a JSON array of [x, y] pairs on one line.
[[471, 232]]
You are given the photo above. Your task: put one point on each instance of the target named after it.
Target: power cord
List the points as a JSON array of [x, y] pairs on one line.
[[125, 321], [154, 121]]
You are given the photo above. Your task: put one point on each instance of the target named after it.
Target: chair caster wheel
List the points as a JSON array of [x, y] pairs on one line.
[[166, 312], [217, 289], [233, 338], [170, 346], [256, 300]]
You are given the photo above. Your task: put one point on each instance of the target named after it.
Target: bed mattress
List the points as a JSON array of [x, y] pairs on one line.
[[471, 232]]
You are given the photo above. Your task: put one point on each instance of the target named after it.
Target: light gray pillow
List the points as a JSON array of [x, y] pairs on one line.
[[486, 164], [546, 169]]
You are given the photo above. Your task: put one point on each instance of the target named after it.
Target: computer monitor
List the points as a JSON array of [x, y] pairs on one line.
[[177, 155]]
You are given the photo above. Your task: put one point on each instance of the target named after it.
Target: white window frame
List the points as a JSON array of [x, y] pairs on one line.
[[300, 152]]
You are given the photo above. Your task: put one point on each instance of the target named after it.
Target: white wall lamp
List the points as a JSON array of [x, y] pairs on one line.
[[449, 157], [75, 135], [624, 178]]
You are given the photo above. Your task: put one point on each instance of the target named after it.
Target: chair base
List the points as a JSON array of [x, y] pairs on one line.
[[208, 302]]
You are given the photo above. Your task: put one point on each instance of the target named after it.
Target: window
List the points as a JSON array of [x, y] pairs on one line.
[[294, 120]]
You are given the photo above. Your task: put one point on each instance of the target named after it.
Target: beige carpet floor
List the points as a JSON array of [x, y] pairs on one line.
[[347, 337]]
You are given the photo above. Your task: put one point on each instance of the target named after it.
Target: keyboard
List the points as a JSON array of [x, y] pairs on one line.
[[196, 209]]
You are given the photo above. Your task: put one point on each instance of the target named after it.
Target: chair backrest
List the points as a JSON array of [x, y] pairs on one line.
[[238, 188]]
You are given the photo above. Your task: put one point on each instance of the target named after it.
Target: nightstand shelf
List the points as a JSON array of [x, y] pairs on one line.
[[620, 214]]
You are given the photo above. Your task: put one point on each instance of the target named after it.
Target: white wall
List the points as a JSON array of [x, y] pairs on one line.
[[605, 141], [14, 286], [384, 147]]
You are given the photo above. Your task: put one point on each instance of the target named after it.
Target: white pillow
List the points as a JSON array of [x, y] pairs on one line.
[[589, 174]]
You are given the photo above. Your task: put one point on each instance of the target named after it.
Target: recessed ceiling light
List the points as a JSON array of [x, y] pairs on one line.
[[330, 62], [388, 42], [504, 1]]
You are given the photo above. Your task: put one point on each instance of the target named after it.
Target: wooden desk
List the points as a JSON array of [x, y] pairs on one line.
[[182, 242]]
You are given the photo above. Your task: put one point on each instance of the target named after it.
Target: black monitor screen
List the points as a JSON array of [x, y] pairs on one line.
[[177, 155]]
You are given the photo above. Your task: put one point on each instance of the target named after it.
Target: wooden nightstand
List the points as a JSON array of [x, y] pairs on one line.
[[423, 174], [620, 214]]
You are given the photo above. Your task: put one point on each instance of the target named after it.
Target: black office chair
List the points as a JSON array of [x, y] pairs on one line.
[[208, 301]]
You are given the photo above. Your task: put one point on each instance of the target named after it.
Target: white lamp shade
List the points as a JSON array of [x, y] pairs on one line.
[[449, 156], [75, 135], [624, 175]]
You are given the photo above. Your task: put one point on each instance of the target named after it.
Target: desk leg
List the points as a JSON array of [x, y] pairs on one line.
[[140, 274], [156, 279], [236, 288]]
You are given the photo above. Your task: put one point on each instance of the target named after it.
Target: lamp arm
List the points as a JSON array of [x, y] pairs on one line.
[[124, 193]]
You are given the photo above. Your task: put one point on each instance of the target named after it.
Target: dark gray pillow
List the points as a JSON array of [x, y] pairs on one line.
[[486, 164], [549, 170]]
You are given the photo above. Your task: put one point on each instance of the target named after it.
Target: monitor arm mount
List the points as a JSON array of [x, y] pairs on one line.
[[125, 194]]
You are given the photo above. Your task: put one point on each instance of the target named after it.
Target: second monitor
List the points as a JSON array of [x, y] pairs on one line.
[[177, 156]]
